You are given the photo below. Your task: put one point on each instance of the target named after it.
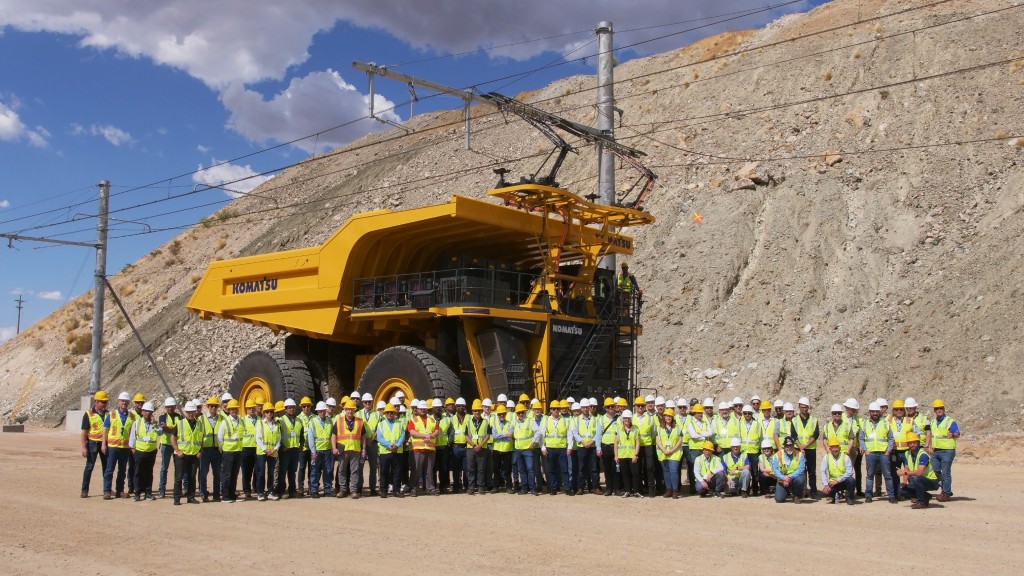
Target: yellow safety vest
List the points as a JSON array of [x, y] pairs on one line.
[[842, 433], [586, 428], [769, 428], [117, 434], [349, 439], [291, 432], [95, 426], [556, 433], [941, 440], [668, 440], [836, 466], [232, 435], [146, 437], [914, 462], [794, 462], [684, 427], [523, 433], [248, 431], [786, 429], [370, 422], [303, 419], [804, 431], [876, 436], [190, 437], [611, 428], [476, 432], [900, 428], [625, 283], [725, 431], [733, 465], [269, 434], [321, 434], [443, 425], [392, 433], [503, 428], [428, 427], [702, 426], [645, 424], [706, 465], [627, 440], [209, 430], [750, 436], [171, 421], [459, 430]]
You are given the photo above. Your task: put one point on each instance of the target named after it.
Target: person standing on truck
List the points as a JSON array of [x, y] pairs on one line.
[[187, 441], [305, 469], [92, 439], [116, 429], [229, 441], [168, 419], [477, 436], [268, 446], [627, 286]]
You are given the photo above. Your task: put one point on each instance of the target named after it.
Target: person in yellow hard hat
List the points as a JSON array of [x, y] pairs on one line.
[[92, 439], [918, 477], [229, 441], [698, 431], [268, 446], [116, 428], [305, 470], [347, 446], [502, 451], [669, 442], [525, 436], [460, 421], [210, 457], [477, 436], [942, 433], [709, 472], [292, 432], [248, 423], [371, 418], [837, 473], [607, 428], [901, 426], [390, 445]]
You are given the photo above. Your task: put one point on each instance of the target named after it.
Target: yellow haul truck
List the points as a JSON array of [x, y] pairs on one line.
[[468, 298]]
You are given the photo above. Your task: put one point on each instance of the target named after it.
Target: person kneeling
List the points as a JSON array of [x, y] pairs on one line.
[[917, 476], [790, 472], [709, 472], [837, 474]]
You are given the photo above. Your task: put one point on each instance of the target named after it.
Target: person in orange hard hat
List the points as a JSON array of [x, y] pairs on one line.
[[92, 439]]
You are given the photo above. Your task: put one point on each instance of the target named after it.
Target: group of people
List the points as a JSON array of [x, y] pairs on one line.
[[406, 447]]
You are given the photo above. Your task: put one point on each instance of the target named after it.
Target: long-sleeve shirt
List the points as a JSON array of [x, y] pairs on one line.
[[311, 433], [382, 441], [823, 469], [220, 431], [693, 432], [863, 438], [538, 430], [574, 434], [131, 438], [786, 459], [259, 437]]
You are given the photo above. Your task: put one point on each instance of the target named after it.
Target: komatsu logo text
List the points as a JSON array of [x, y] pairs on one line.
[[567, 329], [264, 285]]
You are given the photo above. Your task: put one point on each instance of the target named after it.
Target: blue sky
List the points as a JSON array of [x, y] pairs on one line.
[[144, 93]]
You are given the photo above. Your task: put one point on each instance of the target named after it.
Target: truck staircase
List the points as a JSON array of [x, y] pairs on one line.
[[597, 339]]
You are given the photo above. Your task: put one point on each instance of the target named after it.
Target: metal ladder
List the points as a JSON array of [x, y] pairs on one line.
[[599, 335]]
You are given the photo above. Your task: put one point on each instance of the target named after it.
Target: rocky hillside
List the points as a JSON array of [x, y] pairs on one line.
[[861, 187]]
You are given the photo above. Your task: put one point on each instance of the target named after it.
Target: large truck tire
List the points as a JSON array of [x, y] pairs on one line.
[[414, 371], [265, 376]]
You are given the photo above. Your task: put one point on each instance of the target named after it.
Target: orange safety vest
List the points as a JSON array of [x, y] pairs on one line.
[[350, 439], [423, 426], [117, 434], [95, 426]]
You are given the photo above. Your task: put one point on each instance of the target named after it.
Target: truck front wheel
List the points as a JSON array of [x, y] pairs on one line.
[[265, 376]]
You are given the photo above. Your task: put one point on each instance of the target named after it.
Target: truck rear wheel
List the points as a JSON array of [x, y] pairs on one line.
[[413, 371], [265, 376]]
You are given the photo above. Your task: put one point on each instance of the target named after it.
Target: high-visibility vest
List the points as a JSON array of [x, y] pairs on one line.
[[586, 428], [786, 429], [725, 430], [733, 464], [190, 436], [171, 421], [321, 434], [291, 432], [371, 419], [683, 423], [769, 428], [706, 465], [348, 438], [248, 431], [232, 435], [941, 439], [625, 283], [392, 432], [611, 428], [914, 462], [750, 436], [804, 431], [836, 466], [794, 462], [842, 433], [459, 430], [765, 461], [270, 434], [921, 419], [645, 425], [117, 434], [856, 423], [303, 419], [146, 437], [523, 434], [668, 439], [422, 427], [95, 426], [556, 433], [476, 432], [876, 436], [701, 426], [491, 419], [209, 430], [627, 440], [900, 428], [443, 426], [503, 428]]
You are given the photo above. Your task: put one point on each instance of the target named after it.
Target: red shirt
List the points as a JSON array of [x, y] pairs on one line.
[[412, 427]]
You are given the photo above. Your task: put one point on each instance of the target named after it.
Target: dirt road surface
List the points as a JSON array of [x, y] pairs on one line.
[[46, 528]]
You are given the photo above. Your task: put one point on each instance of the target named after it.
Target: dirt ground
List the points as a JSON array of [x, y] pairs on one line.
[[45, 529]]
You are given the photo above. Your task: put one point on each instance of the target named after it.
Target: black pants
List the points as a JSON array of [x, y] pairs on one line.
[[209, 459], [858, 472], [185, 467], [489, 466], [502, 469], [629, 475], [248, 469], [650, 467], [766, 484], [443, 466], [538, 469], [845, 488], [586, 471], [460, 482], [755, 474], [231, 463], [144, 462], [476, 467], [811, 459], [305, 471], [688, 462], [390, 472], [611, 477], [289, 458]]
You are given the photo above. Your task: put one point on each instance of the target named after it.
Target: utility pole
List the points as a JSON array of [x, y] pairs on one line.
[[20, 301], [605, 121], [98, 286]]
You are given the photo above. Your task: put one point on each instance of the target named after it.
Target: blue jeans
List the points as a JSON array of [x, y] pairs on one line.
[[263, 479], [670, 471], [209, 458], [459, 480], [524, 463], [918, 487], [289, 466], [118, 457], [797, 485], [878, 462], [322, 467], [92, 451], [942, 463], [586, 469], [166, 457], [716, 485], [558, 470]]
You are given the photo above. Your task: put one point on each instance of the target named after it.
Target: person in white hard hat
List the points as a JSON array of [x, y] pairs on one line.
[[116, 428], [458, 460], [755, 403], [321, 455], [790, 471], [143, 442], [444, 410], [584, 434], [725, 426], [347, 442], [841, 430], [249, 422], [371, 418], [805, 428], [851, 408], [169, 419], [709, 409], [291, 447], [877, 443], [186, 441], [751, 434], [627, 452], [737, 469], [777, 410], [766, 477]]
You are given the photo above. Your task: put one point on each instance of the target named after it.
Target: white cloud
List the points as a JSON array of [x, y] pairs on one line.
[[6, 333], [202, 149], [5, 203], [13, 129], [232, 176], [311, 104], [50, 295], [109, 132]]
